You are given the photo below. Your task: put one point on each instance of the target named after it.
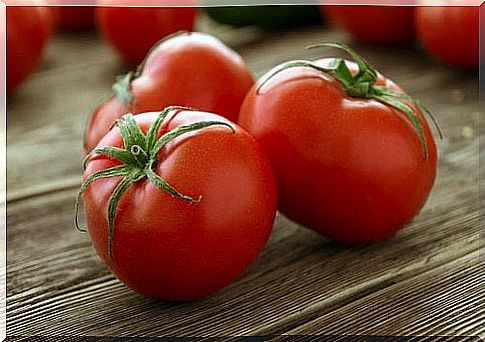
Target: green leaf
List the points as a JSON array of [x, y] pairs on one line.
[[120, 154], [343, 74], [364, 66], [169, 136], [115, 198], [122, 88], [130, 132], [161, 184], [289, 65], [411, 116], [419, 104], [121, 170], [152, 134], [138, 161]]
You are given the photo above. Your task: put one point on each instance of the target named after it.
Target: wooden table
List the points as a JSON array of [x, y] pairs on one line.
[[427, 280]]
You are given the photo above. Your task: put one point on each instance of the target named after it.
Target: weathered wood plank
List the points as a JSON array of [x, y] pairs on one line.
[[448, 300], [53, 273]]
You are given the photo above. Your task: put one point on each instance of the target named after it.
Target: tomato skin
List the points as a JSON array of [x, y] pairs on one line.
[[28, 30], [122, 27], [351, 169], [192, 69], [76, 18], [450, 33], [168, 249], [389, 25]]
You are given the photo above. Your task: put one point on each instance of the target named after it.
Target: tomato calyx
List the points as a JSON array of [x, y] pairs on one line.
[[122, 87], [138, 158], [362, 85]]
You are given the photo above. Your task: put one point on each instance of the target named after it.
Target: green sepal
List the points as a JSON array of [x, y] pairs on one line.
[[161, 184], [138, 157], [130, 131], [289, 65], [342, 73], [120, 170], [119, 154], [419, 104], [183, 130], [122, 89], [362, 85], [152, 134], [411, 116], [115, 198], [366, 71]]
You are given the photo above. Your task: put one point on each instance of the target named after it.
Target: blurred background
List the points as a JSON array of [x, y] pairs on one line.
[[62, 61]]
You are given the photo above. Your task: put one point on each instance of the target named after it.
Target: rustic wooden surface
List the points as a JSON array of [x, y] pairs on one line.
[[428, 280]]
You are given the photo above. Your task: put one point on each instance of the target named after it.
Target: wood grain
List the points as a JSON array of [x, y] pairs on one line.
[[302, 283], [298, 276], [447, 300]]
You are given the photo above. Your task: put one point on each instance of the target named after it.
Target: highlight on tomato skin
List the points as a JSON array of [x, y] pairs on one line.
[[187, 245], [385, 25], [132, 31], [450, 33], [189, 69], [353, 168]]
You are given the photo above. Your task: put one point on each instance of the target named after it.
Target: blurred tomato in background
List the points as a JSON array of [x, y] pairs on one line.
[[390, 25], [132, 31], [188, 69], [28, 29], [75, 18], [450, 33]]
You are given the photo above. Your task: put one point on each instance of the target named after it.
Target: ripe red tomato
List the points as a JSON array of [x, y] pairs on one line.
[[391, 25], [346, 164], [165, 244], [450, 33], [132, 31], [28, 30], [76, 18], [188, 69]]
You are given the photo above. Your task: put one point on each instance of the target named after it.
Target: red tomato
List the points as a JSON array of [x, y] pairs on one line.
[[28, 29], [349, 167], [171, 248], [134, 30], [76, 18], [189, 69], [374, 24], [450, 33]]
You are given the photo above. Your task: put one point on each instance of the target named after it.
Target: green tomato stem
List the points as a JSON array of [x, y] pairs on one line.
[[362, 85]]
